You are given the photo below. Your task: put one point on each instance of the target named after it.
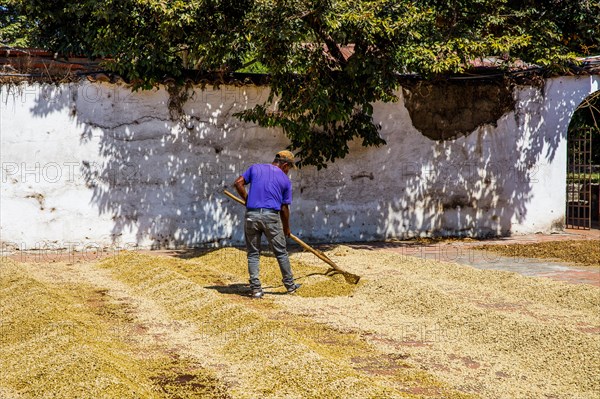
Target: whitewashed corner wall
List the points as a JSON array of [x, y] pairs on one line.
[[95, 163]]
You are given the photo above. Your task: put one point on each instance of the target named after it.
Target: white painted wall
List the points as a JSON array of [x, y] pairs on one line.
[[95, 163]]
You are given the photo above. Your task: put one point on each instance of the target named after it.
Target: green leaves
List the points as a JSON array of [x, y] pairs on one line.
[[15, 29], [328, 61]]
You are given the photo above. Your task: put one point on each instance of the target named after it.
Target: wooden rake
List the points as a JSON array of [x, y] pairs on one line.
[[335, 269]]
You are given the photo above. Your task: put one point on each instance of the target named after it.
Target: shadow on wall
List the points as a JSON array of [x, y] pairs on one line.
[[508, 171], [478, 176], [161, 180], [481, 178]]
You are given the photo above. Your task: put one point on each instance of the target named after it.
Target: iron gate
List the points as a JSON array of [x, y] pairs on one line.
[[579, 179]]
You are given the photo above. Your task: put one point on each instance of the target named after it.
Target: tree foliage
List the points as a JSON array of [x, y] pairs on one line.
[[587, 117], [15, 28], [328, 61]]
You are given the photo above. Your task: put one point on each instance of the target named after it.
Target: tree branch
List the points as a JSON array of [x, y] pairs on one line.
[[333, 49]]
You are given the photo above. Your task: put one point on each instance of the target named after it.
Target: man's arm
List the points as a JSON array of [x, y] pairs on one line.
[[239, 185], [285, 219]]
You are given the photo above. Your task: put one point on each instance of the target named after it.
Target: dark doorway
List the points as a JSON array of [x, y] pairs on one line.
[[583, 165]]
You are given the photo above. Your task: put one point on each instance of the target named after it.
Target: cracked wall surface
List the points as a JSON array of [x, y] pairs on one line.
[[450, 109], [95, 163]]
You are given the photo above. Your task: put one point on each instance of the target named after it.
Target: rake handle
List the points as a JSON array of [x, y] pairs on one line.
[[349, 276], [317, 253]]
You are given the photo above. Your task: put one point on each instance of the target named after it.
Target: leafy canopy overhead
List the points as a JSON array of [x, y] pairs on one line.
[[328, 61]]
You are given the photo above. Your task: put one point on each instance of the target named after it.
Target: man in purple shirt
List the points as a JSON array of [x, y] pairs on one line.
[[268, 213]]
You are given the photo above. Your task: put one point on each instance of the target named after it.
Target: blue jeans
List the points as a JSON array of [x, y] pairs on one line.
[[259, 221]]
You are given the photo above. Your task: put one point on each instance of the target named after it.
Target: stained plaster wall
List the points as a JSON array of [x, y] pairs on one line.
[[95, 164]]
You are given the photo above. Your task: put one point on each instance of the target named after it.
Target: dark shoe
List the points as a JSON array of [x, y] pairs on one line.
[[293, 288], [257, 294]]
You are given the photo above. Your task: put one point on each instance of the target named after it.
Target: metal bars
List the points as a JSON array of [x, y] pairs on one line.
[[579, 179]]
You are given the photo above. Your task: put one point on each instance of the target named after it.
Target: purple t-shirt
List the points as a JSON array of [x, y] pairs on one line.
[[269, 187]]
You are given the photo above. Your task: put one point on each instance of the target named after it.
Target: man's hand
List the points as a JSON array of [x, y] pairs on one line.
[[239, 185]]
